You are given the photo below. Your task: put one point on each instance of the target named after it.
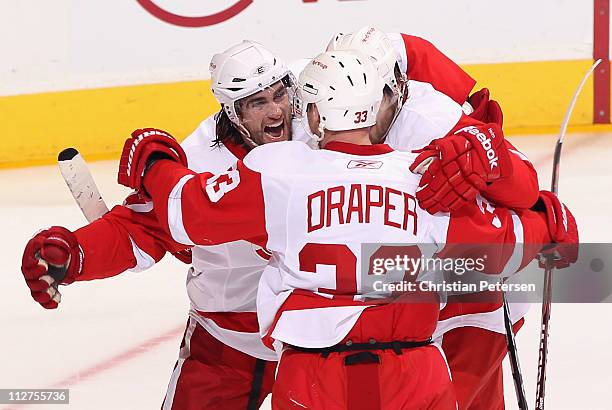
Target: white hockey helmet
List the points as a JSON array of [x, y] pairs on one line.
[[346, 88], [243, 70], [375, 43]]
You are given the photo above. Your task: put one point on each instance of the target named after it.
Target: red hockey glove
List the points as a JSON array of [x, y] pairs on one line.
[[141, 150], [485, 109], [563, 231], [459, 166], [51, 257]]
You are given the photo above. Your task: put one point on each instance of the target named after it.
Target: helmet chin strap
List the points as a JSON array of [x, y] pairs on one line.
[[405, 89], [244, 132], [402, 97], [321, 129], [246, 135]]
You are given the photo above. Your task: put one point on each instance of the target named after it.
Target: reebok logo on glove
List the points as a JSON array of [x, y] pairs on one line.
[[485, 142]]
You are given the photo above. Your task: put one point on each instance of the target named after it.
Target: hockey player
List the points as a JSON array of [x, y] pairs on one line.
[[412, 117], [413, 114], [222, 362], [312, 208], [222, 332]]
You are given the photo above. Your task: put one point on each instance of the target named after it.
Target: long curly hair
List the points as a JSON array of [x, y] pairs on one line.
[[226, 130]]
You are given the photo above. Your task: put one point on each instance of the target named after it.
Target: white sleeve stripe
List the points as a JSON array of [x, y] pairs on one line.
[[175, 213], [514, 263], [141, 208], [143, 260], [519, 154]]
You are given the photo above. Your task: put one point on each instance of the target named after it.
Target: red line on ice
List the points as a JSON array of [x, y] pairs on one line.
[[107, 364], [118, 359]]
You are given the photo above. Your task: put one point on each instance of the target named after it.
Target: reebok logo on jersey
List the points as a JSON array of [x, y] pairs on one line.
[[486, 143], [319, 64], [364, 163], [367, 35]]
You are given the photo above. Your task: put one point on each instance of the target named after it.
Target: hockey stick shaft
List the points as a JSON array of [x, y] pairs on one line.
[[543, 347], [548, 270], [557, 158], [517, 375]]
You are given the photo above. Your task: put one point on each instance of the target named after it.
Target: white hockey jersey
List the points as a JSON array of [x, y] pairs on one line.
[[222, 283], [224, 277], [212, 281], [426, 115], [312, 209]]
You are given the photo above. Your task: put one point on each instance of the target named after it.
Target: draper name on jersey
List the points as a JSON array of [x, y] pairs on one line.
[[361, 203]]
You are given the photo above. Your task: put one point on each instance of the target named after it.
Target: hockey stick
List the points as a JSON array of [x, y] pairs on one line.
[[548, 270], [81, 184], [83, 188], [517, 375]]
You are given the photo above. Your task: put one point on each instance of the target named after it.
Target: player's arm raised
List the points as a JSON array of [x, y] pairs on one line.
[[127, 237], [514, 186], [521, 190], [426, 63], [202, 209], [473, 159]]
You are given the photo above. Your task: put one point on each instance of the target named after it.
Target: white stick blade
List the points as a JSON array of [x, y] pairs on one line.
[[81, 184]]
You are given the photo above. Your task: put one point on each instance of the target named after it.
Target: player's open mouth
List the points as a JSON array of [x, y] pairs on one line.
[[275, 131]]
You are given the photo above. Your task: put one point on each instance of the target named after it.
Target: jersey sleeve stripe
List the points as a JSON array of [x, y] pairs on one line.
[[175, 213], [514, 263], [519, 154], [140, 208], [143, 260]]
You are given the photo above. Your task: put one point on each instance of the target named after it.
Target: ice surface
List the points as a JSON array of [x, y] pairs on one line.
[[114, 342]]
